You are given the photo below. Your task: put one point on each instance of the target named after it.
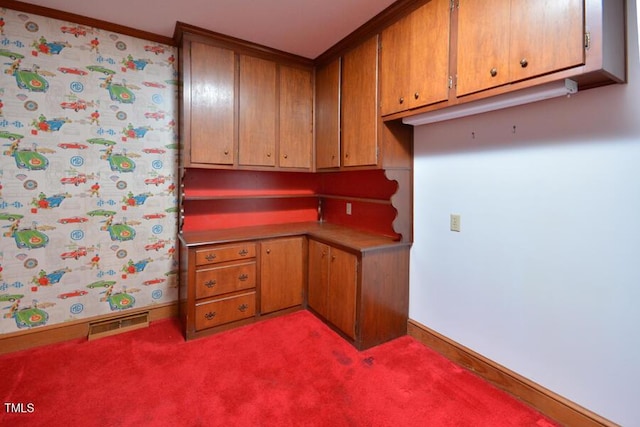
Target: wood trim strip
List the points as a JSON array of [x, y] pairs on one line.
[[18, 341], [544, 400], [84, 20]]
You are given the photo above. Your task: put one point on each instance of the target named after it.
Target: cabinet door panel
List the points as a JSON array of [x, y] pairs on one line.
[[281, 274], [328, 116], [257, 112], [483, 45], [318, 277], [212, 104], [343, 267], [296, 117], [546, 36], [360, 105], [395, 67], [429, 62]]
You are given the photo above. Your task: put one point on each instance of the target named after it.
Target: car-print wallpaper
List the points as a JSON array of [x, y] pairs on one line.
[[88, 168]]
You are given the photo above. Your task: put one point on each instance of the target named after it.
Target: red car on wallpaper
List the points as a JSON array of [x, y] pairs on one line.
[[74, 145], [155, 49], [154, 246], [154, 181], [73, 220], [158, 215], [69, 70], [74, 254], [75, 106], [153, 281], [154, 150], [76, 31], [158, 115], [76, 293], [75, 180]]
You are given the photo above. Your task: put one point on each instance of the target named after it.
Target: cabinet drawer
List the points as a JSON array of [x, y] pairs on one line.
[[218, 254], [225, 310], [221, 280]]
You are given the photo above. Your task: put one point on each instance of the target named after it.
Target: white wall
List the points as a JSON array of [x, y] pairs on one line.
[[544, 277]]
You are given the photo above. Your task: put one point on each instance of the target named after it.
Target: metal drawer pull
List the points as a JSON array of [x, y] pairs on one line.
[[243, 277], [210, 257], [210, 283], [243, 252], [210, 315], [243, 307]]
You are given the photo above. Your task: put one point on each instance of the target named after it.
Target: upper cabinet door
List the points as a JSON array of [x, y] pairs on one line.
[[328, 115], [395, 69], [414, 59], [257, 112], [360, 105], [504, 41], [212, 102], [296, 117], [429, 61], [483, 44], [546, 36]]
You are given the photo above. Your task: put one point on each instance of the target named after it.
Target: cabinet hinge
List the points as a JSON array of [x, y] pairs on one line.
[[587, 40], [452, 4], [450, 82]]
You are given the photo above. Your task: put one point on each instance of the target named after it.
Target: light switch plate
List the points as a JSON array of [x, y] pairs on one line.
[[455, 222]]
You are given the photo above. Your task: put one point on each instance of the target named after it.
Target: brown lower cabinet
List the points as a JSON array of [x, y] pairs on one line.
[[364, 294], [332, 285], [361, 290]]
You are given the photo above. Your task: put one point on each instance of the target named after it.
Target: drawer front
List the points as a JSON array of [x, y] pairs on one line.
[[221, 280], [216, 254], [219, 312]]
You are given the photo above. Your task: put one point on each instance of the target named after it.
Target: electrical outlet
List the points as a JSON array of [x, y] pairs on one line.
[[455, 222], [348, 208]]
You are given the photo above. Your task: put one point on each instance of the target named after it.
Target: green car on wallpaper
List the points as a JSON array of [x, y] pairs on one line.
[[10, 217], [30, 238], [101, 141], [10, 136], [31, 81], [11, 297], [121, 301], [30, 317], [121, 163], [31, 160], [99, 69], [101, 212], [101, 284], [9, 54]]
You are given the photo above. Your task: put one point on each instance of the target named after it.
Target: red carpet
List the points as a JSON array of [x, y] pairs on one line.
[[287, 371]]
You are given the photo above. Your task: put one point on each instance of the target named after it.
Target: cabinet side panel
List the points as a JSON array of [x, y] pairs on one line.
[[384, 296]]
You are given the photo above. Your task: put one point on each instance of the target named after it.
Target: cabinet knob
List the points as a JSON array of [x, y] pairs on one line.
[[226, 152], [401, 100], [210, 283], [494, 72], [416, 95], [268, 251], [243, 252], [243, 277], [243, 307], [524, 62], [268, 154], [285, 156], [210, 257], [210, 315]]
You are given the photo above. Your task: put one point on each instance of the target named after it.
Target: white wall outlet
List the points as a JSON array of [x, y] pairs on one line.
[[348, 208], [455, 222]]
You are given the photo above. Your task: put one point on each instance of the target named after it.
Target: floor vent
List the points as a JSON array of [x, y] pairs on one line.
[[118, 325]]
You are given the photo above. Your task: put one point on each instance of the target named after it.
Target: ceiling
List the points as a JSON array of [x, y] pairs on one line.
[[303, 27]]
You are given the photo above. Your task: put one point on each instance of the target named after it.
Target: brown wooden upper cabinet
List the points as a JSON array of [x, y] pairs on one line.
[[257, 112], [244, 108], [414, 58], [295, 117], [504, 41], [328, 115], [210, 73], [360, 105]]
